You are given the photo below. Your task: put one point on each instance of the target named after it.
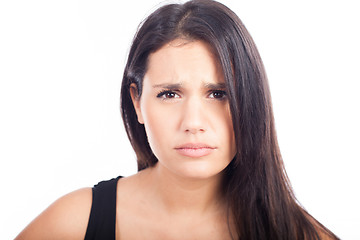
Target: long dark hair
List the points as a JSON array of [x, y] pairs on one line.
[[261, 200]]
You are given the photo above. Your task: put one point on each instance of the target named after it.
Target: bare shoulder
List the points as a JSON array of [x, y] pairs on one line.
[[66, 218], [128, 187]]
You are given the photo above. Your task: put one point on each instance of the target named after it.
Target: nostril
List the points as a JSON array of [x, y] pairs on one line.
[[194, 130]]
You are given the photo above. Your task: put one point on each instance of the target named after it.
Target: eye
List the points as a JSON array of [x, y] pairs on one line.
[[167, 95], [218, 94]]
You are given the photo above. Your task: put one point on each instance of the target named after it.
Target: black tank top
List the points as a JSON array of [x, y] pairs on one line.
[[103, 211]]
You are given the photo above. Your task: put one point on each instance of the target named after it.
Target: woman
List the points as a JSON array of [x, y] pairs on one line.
[[196, 106]]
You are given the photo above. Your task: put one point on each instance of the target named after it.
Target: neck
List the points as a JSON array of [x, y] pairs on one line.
[[178, 194]]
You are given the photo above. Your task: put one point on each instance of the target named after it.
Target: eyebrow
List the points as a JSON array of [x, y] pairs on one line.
[[215, 85], [173, 86]]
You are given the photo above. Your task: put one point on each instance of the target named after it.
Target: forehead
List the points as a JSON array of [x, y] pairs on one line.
[[182, 60]]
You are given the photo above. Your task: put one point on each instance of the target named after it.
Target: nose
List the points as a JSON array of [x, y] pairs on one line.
[[193, 116]]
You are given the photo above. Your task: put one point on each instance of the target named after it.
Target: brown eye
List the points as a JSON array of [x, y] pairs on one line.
[[218, 94], [170, 95], [167, 95]]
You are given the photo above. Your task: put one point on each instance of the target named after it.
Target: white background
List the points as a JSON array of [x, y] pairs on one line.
[[61, 66]]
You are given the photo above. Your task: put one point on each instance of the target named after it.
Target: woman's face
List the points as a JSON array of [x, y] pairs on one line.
[[185, 110]]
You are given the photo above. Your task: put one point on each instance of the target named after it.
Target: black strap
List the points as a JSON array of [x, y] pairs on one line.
[[103, 211]]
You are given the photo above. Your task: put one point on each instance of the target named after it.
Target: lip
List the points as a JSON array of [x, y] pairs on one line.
[[194, 150]]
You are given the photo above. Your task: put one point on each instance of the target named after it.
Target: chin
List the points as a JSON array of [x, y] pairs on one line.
[[198, 169]]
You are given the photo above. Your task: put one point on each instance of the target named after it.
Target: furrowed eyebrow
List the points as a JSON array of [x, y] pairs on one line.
[[215, 85], [174, 86], [168, 86]]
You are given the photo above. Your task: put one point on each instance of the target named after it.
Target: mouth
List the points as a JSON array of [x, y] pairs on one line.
[[195, 150]]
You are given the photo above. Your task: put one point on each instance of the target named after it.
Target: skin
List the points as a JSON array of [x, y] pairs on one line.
[[66, 218], [183, 101], [178, 198]]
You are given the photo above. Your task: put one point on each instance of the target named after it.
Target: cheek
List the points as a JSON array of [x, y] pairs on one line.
[[162, 127], [158, 125], [228, 132]]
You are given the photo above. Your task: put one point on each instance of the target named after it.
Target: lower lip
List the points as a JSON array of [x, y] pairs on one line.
[[194, 152]]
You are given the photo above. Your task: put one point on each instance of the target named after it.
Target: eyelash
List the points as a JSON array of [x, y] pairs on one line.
[[165, 94], [223, 94]]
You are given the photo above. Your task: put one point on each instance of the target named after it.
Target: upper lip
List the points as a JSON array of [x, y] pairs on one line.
[[194, 146]]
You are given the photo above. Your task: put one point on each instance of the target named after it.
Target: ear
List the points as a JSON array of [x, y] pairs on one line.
[[136, 102]]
